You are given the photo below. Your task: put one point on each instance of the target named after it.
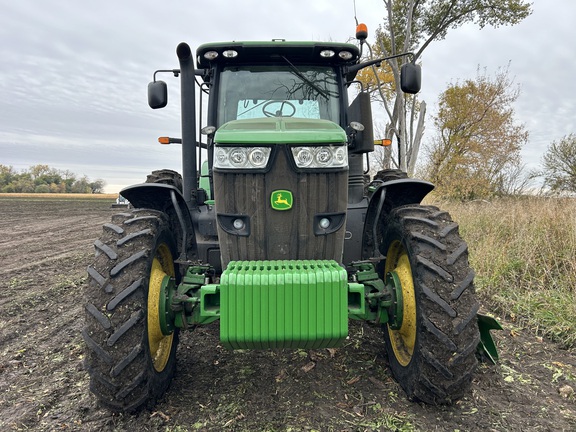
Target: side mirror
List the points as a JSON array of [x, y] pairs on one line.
[[360, 118], [410, 78], [157, 94]]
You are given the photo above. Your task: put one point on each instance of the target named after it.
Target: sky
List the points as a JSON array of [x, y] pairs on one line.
[[73, 74]]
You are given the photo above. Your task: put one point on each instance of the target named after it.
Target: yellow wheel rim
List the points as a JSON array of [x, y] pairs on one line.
[[403, 339], [159, 344]]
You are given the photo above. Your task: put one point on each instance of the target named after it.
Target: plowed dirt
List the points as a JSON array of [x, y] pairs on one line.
[[45, 246]]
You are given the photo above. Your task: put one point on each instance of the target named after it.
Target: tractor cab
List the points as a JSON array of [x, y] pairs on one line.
[[276, 79]]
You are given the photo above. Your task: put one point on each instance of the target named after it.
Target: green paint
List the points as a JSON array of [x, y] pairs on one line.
[[281, 200], [283, 304], [487, 345], [280, 130]]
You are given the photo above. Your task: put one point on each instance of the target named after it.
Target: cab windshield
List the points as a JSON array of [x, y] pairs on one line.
[[248, 92]]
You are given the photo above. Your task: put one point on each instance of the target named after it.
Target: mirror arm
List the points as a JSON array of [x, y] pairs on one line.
[[176, 72], [359, 66]]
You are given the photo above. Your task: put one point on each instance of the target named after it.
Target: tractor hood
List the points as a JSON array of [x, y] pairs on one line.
[[280, 130]]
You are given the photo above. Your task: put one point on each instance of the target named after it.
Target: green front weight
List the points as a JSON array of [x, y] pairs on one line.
[[283, 304]]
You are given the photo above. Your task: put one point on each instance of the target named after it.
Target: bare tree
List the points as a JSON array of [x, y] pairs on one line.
[[412, 25]]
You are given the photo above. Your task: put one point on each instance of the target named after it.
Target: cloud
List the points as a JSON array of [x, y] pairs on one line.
[[73, 75]]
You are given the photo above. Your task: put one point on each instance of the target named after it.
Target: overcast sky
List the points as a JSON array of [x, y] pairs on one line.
[[73, 74]]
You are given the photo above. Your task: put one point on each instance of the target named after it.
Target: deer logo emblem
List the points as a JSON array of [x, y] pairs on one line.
[[281, 200]]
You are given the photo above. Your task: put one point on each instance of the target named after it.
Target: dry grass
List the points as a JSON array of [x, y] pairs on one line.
[[524, 253]]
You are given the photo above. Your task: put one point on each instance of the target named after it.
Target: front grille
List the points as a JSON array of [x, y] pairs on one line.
[[280, 235]]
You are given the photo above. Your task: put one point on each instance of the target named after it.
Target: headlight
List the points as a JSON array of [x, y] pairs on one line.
[[241, 157], [320, 157]]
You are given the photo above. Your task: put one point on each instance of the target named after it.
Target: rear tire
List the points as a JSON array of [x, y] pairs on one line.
[[390, 174], [129, 360], [433, 354], [165, 176], [384, 176]]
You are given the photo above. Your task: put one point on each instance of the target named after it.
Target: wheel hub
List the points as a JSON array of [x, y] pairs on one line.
[[402, 327], [165, 311], [396, 309], [159, 343]]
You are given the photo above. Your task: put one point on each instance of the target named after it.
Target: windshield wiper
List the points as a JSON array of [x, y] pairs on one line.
[[305, 79]]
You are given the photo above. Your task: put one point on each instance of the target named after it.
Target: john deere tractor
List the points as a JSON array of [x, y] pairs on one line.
[[274, 230]]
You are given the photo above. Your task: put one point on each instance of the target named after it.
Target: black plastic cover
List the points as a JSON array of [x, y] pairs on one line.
[[410, 78], [157, 94], [360, 110]]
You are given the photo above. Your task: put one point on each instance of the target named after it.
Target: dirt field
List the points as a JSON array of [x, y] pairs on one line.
[[45, 246]]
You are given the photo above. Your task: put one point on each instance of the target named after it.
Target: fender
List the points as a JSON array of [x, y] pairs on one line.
[[164, 197], [156, 196], [388, 196]]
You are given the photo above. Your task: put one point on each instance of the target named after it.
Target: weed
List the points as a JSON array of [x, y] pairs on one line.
[[560, 371], [511, 375], [18, 282]]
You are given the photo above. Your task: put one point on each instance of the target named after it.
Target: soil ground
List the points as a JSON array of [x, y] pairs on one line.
[[45, 246]]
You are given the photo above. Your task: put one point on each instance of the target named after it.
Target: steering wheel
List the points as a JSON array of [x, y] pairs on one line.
[[280, 111]]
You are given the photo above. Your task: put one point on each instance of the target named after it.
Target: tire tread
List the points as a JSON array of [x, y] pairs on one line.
[[444, 359], [122, 375]]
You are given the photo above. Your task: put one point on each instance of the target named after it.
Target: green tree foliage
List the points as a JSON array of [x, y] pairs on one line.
[[412, 25], [559, 165], [476, 150], [44, 179]]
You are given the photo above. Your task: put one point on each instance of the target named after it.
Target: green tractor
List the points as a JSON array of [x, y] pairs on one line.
[[274, 230]]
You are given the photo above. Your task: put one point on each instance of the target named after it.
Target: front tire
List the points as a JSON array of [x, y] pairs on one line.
[[129, 360], [432, 352]]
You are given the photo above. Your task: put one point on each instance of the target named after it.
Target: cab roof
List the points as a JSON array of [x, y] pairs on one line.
[[272, 51]]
